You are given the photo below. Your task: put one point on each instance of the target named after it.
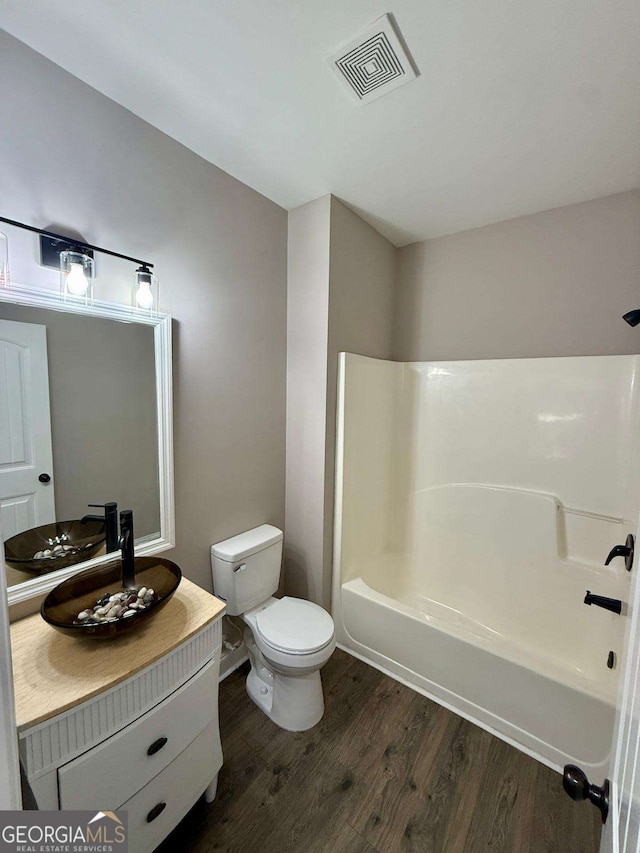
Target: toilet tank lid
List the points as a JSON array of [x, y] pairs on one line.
[[245, 544]]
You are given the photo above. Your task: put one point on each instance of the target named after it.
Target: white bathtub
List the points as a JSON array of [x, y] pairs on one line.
[[552, 714], [473, 593]]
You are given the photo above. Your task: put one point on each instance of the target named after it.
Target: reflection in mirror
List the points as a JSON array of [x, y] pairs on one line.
[[78, 427]]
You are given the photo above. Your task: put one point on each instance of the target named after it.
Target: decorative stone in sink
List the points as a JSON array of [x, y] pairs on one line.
[[54, 546], [117, 605], [94, 604]]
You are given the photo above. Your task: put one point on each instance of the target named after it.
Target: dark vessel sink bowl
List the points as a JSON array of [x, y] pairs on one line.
[[85, 540], [81, 592]]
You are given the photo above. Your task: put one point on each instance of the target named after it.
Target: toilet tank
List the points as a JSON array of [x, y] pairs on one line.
[[246, 568]]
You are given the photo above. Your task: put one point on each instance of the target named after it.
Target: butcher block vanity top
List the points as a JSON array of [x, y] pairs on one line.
[[53, 673]]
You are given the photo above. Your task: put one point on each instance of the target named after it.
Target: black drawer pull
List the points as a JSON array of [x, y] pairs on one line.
[[156, 811], [157, 745]]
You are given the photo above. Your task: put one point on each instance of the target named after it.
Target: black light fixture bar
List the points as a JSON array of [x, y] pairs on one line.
[[72, 242]]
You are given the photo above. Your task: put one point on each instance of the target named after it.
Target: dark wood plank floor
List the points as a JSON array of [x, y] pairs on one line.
[[385, 770]]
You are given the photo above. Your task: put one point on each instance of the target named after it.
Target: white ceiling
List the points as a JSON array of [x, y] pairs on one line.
[[519, 107]]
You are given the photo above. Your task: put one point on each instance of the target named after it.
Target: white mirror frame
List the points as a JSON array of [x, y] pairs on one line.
[[38, 298]]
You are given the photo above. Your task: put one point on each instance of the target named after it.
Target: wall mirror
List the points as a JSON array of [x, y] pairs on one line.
[[85, 418]]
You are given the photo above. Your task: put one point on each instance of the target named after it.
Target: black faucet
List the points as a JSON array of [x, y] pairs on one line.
[[126, 545], [110, 519], [612, 604]]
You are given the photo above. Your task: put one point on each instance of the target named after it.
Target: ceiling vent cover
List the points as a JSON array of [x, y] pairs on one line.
[[373, 63]]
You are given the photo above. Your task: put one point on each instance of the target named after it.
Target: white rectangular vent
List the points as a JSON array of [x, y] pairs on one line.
[[373, 63]]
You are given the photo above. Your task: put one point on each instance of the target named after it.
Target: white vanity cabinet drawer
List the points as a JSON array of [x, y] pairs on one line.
[[112, 772], [160, 806]]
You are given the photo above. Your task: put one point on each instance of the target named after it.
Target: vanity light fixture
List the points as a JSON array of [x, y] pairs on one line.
[[75, 260], [145, 290]]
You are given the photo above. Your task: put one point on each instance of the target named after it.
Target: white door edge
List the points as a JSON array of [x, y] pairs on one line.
[[10, 795], [621, 832]]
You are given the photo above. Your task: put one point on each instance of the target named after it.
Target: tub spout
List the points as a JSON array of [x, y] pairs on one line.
[[612, 604]]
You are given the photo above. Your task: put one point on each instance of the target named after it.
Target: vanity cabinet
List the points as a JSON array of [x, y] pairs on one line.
[[130, 723]]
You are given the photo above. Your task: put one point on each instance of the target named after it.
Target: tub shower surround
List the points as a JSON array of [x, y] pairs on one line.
[[476, 503]]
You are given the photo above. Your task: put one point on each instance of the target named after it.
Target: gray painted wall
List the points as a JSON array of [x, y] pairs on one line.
[[341, 278], [307, 341], [552, 284], [73, 158]]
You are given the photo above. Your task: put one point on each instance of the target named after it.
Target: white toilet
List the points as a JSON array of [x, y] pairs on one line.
[[288, 639]]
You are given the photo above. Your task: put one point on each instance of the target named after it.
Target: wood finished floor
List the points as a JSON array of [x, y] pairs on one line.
[[385, 770]]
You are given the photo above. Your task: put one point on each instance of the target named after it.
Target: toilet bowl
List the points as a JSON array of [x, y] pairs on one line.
[[288, 640]]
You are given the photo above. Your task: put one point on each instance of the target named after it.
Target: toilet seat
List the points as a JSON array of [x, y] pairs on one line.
[[294, 626]]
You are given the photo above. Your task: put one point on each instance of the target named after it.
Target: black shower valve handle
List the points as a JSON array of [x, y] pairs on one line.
[[616, 551], [625, 551]]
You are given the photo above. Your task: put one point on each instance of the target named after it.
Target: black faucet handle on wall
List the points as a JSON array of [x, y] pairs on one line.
[[625, 551]]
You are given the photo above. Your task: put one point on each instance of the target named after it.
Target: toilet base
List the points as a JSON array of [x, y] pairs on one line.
[[293, 702]]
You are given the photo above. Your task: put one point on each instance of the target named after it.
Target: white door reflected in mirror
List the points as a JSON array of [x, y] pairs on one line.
[[25, 429]]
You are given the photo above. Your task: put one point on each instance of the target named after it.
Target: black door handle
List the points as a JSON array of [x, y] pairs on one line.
[[612, 604], [576, 784], [625, 551], [45, 478]]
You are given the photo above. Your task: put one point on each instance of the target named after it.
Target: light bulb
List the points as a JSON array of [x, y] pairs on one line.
[[144, 297], [77, 282]]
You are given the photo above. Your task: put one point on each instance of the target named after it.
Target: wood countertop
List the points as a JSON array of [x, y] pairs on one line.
[[53, 672]]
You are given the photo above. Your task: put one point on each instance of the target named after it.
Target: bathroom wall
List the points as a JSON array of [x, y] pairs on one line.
[[307, 342], [340, 297], [73, 158], [361, 302], [551, 284]]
